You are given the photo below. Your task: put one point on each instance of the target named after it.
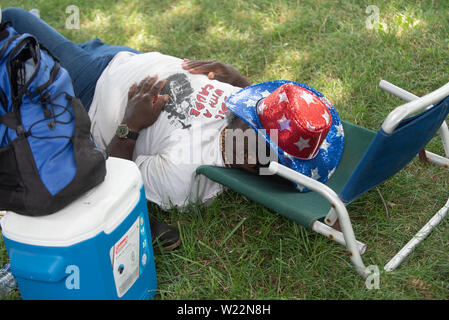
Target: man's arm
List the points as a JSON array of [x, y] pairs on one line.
[[216, 71], [143, 109]]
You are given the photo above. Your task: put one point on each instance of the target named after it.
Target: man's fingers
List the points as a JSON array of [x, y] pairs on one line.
[[198, 66], [141, 83], [156, 89], [217, 76], [206, 68], [160, 103], [132, 90], [147, 84], [163, 82], [188, 64]]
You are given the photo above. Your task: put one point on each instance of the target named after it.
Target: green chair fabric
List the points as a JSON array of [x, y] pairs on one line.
[[279, 194]]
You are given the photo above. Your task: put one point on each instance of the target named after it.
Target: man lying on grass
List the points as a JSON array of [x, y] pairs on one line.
[[169, 116]]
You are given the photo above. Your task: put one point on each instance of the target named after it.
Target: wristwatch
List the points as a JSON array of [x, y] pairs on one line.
[[123, 132]]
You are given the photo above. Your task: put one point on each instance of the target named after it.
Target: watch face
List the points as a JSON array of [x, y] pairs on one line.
[[122, 131]]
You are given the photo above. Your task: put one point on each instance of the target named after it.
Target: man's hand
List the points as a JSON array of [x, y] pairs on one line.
[[216, 71], [144, 103], [143, 109]]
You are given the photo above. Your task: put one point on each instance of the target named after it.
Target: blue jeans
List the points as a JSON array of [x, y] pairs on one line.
[[85, 62]]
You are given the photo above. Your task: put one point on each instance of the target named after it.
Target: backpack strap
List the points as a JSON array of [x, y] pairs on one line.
[[53, 73], [49, 52], [44, 95], [3, 100], [10, 120], [6, 45], [3, 32]]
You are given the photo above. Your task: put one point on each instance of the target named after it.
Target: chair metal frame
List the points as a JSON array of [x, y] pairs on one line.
[[338, 209]]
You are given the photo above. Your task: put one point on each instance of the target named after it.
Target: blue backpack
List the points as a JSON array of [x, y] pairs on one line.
[[47, 156]]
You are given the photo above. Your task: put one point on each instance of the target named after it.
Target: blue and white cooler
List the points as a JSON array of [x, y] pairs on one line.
[[98, 247]]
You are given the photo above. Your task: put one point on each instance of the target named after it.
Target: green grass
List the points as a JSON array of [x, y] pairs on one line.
[[237, 249]]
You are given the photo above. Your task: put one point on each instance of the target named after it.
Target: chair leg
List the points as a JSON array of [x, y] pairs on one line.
[[444, 134], [335, 235], [337, 204], [437, 159], [417, 239], [331, 217]]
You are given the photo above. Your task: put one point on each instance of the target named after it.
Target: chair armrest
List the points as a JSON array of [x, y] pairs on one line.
[[411, 107], [397, 91], [408, 96]]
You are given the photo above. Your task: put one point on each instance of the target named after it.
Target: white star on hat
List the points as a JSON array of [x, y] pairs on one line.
[[300, 187], [283, 97], [315, 174], [309, 98], [340, 132], [325, 145], [265, 93], [284, 123], [250, 103], [302, 143]]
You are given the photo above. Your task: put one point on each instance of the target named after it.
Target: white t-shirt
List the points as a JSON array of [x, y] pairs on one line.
[[186, 134]]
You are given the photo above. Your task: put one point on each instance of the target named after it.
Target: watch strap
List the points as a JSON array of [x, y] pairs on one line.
[[132, 135]]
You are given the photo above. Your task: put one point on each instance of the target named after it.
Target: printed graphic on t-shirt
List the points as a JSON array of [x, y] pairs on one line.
[[207, 101], [180, 91], [186, 105]]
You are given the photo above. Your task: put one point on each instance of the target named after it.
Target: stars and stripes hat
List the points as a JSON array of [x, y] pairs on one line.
[[310, 137]]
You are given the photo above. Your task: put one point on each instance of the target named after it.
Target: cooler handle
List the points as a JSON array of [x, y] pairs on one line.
[[40, 267]]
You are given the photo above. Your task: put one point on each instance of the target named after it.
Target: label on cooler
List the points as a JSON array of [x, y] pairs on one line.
[[125, 258]]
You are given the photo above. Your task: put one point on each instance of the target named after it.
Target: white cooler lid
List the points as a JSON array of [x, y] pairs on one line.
[[102, 208]]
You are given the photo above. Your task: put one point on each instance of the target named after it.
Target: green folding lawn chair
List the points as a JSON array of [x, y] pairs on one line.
[[368, 159]]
